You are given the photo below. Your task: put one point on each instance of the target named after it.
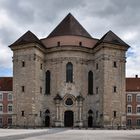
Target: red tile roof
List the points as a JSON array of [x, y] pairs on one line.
[[6, 83], [132, 84]]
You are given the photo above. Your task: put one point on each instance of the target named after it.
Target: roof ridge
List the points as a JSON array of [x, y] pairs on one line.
[[111, 37], [26, 38], [69, 26]]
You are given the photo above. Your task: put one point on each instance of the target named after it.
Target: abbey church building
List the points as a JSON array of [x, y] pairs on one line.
[[69, 78]]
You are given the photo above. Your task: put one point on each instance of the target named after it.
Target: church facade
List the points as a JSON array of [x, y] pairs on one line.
[[69, 79]]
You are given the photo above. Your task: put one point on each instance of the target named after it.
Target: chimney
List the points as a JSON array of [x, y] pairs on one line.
[[136, 76]]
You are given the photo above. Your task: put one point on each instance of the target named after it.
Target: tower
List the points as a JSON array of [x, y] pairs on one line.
[[28, 61]]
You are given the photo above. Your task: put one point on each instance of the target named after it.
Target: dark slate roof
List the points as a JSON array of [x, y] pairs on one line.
[[6, 83], [28, 37], [69, 26], [112, 38]]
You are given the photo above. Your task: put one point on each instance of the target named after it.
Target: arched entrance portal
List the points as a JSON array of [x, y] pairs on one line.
[[47, 121], [47, 118], [90, 121], [68, 119]]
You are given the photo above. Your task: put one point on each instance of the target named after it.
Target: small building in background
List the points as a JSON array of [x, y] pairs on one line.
[[133, 102], [6, 101]]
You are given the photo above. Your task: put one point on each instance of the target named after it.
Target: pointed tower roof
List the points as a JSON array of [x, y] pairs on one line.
[[112, 38], [69, 26], [28, 37]]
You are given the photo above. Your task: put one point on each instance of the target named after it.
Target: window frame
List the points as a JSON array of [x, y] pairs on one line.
[[128, 111], [90, 83], [8, 108], [138, 122], [69, 72], [10, 99], [130, 122], [1, 94], [129, 95], [1, 106], [138, 109], [138, 98], [48, 82], [11, 121], [23, 63]]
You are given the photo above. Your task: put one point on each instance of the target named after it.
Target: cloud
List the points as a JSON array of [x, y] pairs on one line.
[[42, 16]]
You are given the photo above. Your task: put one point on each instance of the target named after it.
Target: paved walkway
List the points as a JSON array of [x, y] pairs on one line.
[[68, 134]]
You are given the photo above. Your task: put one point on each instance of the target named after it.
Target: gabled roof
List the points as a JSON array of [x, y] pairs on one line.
[[69, 26], [6, 83], [28, 37], [112, 38], [132, 84]]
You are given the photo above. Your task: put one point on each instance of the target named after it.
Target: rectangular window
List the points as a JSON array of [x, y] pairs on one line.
[[10, 121], [58, 43], [23, 64], [22, 113], [129, 109], [129, 98], [114, 114], [41, 66], [10, 97], [23, 88], [138, 98], [129, 122], [97, 90], [1, 121], [10, 108], [41, 90], [1, 96], [138, 122], [97, 66], [138, 109], [1, 108], [115, 64], [80, 43], [114, 89]]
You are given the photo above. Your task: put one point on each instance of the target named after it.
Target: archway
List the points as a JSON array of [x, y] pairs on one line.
[[68, 119], [90, 121], [47, 118], [47, 121]]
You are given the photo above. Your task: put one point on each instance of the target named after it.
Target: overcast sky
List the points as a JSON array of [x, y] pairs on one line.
[[97, 17]]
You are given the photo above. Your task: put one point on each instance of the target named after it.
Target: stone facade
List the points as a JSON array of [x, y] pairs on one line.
[[33, 107]]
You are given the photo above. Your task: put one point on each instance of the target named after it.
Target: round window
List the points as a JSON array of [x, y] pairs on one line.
[[69, 101]]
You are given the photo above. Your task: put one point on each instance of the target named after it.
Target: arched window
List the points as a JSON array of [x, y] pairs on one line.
[[69, 72], [48, 81], [90, 82]]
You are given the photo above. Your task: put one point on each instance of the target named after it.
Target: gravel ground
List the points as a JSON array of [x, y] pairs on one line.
[[68, 134]]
